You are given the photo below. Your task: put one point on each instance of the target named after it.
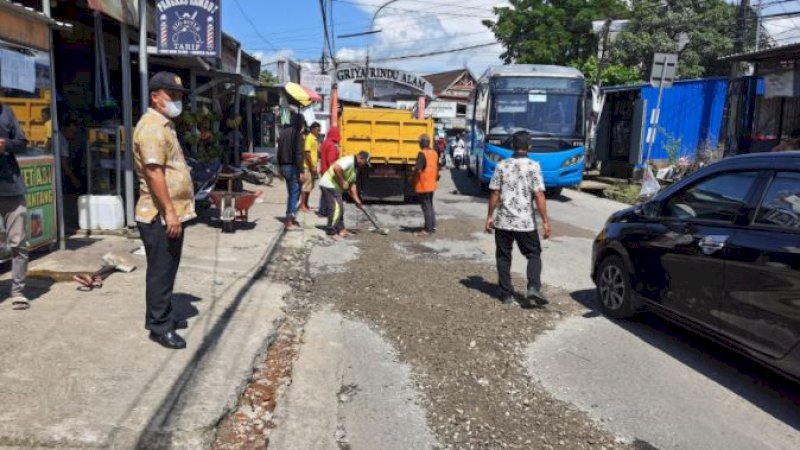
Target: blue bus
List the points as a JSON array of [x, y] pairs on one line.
[[546, 101]]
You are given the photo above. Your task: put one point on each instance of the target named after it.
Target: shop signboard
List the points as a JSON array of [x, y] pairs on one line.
[[319, 83], [41, 202], [189, 27], [442, 109]]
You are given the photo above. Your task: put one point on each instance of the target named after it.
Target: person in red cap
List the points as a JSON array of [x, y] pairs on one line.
[[328, 155]]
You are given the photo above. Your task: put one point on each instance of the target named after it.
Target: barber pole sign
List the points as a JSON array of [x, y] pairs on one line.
[[189, 27]]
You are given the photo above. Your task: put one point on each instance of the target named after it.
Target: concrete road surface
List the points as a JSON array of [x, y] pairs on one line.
[[646, 382]]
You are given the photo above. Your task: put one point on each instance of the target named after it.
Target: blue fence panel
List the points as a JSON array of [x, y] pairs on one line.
[[691, 112]]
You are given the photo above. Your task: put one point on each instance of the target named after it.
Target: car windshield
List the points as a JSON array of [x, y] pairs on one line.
[[541, 113]]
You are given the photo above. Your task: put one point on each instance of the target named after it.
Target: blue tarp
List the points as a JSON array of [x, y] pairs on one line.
[[691, 112]]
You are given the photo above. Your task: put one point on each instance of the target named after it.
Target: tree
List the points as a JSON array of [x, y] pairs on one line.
[[609, 74], [699, 31], [267, 78], [551, 31]]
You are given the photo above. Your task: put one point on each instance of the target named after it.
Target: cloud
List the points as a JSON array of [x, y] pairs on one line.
[[411, 27]]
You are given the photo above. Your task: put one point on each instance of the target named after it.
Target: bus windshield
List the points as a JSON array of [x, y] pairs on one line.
[[543, 106]]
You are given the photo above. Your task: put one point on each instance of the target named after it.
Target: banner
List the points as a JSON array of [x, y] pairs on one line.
[[360, 73], [189, 27], [40, 199]]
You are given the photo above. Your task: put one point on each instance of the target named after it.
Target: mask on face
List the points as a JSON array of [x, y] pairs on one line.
[[173, 109]]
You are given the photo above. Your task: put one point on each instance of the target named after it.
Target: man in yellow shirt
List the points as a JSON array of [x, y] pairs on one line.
[[311, 157]]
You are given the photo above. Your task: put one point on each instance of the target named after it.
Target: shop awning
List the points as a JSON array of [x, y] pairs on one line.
[[302, 94], [25, 11]]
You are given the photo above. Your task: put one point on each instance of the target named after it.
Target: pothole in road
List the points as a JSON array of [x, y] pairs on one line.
[[465, 348]]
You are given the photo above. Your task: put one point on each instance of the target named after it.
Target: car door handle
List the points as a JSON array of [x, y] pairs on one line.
[[712, 244]]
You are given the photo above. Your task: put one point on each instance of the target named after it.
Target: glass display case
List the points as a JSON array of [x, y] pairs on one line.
[[104, 149]]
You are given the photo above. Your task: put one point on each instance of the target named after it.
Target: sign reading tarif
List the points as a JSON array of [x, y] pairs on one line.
[[189, 27]]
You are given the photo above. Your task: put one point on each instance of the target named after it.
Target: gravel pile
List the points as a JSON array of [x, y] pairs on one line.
[[465, 346]]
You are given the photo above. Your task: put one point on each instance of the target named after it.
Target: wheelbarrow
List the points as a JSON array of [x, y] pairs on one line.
[[234, 206]]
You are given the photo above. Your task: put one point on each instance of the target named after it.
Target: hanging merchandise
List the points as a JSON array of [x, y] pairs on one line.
[[308, 114], [102, 90]]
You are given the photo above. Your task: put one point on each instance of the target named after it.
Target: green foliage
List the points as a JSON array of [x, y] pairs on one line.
[[267, 78], [611, 75], [699, 31], [551, 31]]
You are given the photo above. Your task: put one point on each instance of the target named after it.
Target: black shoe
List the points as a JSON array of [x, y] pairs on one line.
[[535, 295], [169, 340], [181, 325], [508, 300]]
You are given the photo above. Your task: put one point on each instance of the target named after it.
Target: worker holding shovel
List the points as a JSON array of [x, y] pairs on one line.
[[341, 177]]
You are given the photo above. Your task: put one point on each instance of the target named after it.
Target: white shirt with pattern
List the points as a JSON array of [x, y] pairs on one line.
[[516, 179]]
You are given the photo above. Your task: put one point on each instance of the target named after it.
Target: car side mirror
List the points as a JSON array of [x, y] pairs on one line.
[[650, 209]]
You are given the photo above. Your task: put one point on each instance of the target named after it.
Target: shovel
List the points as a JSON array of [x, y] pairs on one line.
[[378, 228]]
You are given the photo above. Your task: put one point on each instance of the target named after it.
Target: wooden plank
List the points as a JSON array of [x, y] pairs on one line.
[[24, 31]]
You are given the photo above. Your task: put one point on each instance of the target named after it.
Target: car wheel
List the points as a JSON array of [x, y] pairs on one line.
[[614, 289]]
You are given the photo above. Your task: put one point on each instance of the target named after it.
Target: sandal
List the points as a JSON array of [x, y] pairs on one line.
[[20, 303]]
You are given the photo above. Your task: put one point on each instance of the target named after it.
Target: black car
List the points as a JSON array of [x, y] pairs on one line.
[[718, 252]]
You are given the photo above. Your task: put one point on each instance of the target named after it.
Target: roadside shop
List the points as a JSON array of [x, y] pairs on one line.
[[26, 86]]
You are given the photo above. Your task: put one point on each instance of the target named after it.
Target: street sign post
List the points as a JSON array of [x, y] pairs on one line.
[[662, 75]]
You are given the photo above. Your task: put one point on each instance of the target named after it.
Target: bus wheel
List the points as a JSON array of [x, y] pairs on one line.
[[553, 192]]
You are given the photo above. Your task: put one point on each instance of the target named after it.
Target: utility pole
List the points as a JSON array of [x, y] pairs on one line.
[[758, 26], [741, 35], [732, 105]]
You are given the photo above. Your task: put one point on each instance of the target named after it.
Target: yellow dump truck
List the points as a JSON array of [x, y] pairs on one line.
[[29, 115], [391, 136]]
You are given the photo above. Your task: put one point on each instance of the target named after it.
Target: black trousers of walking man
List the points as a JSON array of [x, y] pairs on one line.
[[529, 245], [163, 259]]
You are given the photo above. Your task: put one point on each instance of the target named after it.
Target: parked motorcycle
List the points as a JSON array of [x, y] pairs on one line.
[[204, 179], [258, 168]]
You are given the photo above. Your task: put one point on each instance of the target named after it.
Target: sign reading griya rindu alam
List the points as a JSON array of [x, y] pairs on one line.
[[189, 27], [360, 73]]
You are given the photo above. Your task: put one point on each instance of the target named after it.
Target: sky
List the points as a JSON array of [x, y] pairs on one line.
[[408, 27], [269, 28]]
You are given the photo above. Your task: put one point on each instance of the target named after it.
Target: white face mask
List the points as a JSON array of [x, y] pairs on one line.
[[173, 109]]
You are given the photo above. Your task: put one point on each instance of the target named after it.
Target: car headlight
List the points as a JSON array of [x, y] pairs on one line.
[[494, 157], [572, 161]]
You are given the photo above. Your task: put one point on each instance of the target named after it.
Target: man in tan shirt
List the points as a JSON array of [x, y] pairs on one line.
[[166, 200]]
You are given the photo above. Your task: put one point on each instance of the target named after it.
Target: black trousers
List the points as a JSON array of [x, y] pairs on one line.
[[426, 200], [529, 245], [335, 204], [163, 259]]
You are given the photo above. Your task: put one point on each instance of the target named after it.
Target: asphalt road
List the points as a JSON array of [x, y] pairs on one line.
[[646, 382]]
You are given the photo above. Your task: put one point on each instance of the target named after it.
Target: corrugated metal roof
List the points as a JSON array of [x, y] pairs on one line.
[[634, 87], [21, 9], [784, 51], [541, 70]]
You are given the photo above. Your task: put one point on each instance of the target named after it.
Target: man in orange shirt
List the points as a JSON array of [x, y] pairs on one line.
[[426, 180]]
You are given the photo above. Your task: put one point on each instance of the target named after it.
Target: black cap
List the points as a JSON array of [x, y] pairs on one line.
[[365, 155], [167, 81]]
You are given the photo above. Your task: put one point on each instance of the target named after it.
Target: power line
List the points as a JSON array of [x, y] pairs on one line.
[[253, 25], [411, 10], [440, 52]]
